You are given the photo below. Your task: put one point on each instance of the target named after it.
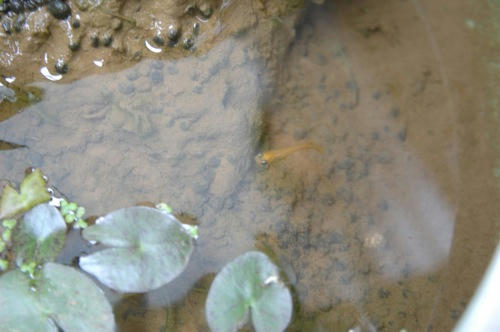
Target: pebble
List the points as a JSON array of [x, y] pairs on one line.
[[196, 28], [74, 45], [172, 32], [158, 40], [188, 42], [59, 9], [94, 39], [107, 39], [61, 66], [75, 23]]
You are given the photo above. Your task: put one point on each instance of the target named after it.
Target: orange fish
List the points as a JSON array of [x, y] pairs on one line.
[[268, 157]]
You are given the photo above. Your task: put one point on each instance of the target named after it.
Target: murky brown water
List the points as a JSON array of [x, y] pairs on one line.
[[390, 228]]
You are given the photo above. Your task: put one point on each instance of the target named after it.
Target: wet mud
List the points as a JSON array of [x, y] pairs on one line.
[[109, 35], [390, 227]]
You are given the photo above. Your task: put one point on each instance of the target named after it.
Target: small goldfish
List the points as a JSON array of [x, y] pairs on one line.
[[268, 157]]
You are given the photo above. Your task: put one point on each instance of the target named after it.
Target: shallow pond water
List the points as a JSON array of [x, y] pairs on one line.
[[389, 228]]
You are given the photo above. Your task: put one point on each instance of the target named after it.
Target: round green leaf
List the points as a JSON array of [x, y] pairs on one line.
[[149, 248], [249, 286], [40, 236], [19, 306], [63, 298], [74, 301]]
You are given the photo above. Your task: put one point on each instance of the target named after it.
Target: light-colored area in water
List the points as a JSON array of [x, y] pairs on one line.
[[390, 228]]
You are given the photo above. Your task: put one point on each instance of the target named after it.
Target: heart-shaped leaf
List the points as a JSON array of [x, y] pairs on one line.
[[64, 298], [40, 236], [249, 286], [148, 249], [32, 192]]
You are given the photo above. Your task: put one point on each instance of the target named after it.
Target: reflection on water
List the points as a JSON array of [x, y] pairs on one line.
[[363, 231]]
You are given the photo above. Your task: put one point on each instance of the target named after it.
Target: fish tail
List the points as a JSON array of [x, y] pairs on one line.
[[317, 147]]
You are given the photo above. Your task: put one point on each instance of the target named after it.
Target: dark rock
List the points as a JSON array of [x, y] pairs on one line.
[[188, 42], [172, 32], [74, 45], [75, 24], [94, 40], [196, 28], [61, 66], [107, 39], [59, 9], [158, 40]]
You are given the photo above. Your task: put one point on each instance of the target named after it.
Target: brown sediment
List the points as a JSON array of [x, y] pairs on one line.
[[115, 34]]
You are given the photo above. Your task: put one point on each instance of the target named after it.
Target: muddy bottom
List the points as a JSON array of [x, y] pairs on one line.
[[390, 226]]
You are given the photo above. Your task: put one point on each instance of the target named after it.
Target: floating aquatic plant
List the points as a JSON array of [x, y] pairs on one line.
[[62, 298], [147, 248], [249, 288], [73, 214], [40, 237], [32, 192]]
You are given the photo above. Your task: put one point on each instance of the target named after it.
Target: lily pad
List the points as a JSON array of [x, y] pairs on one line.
[[40, 236], [64, 298], [249, 286], [32, 192], [148, 248]]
